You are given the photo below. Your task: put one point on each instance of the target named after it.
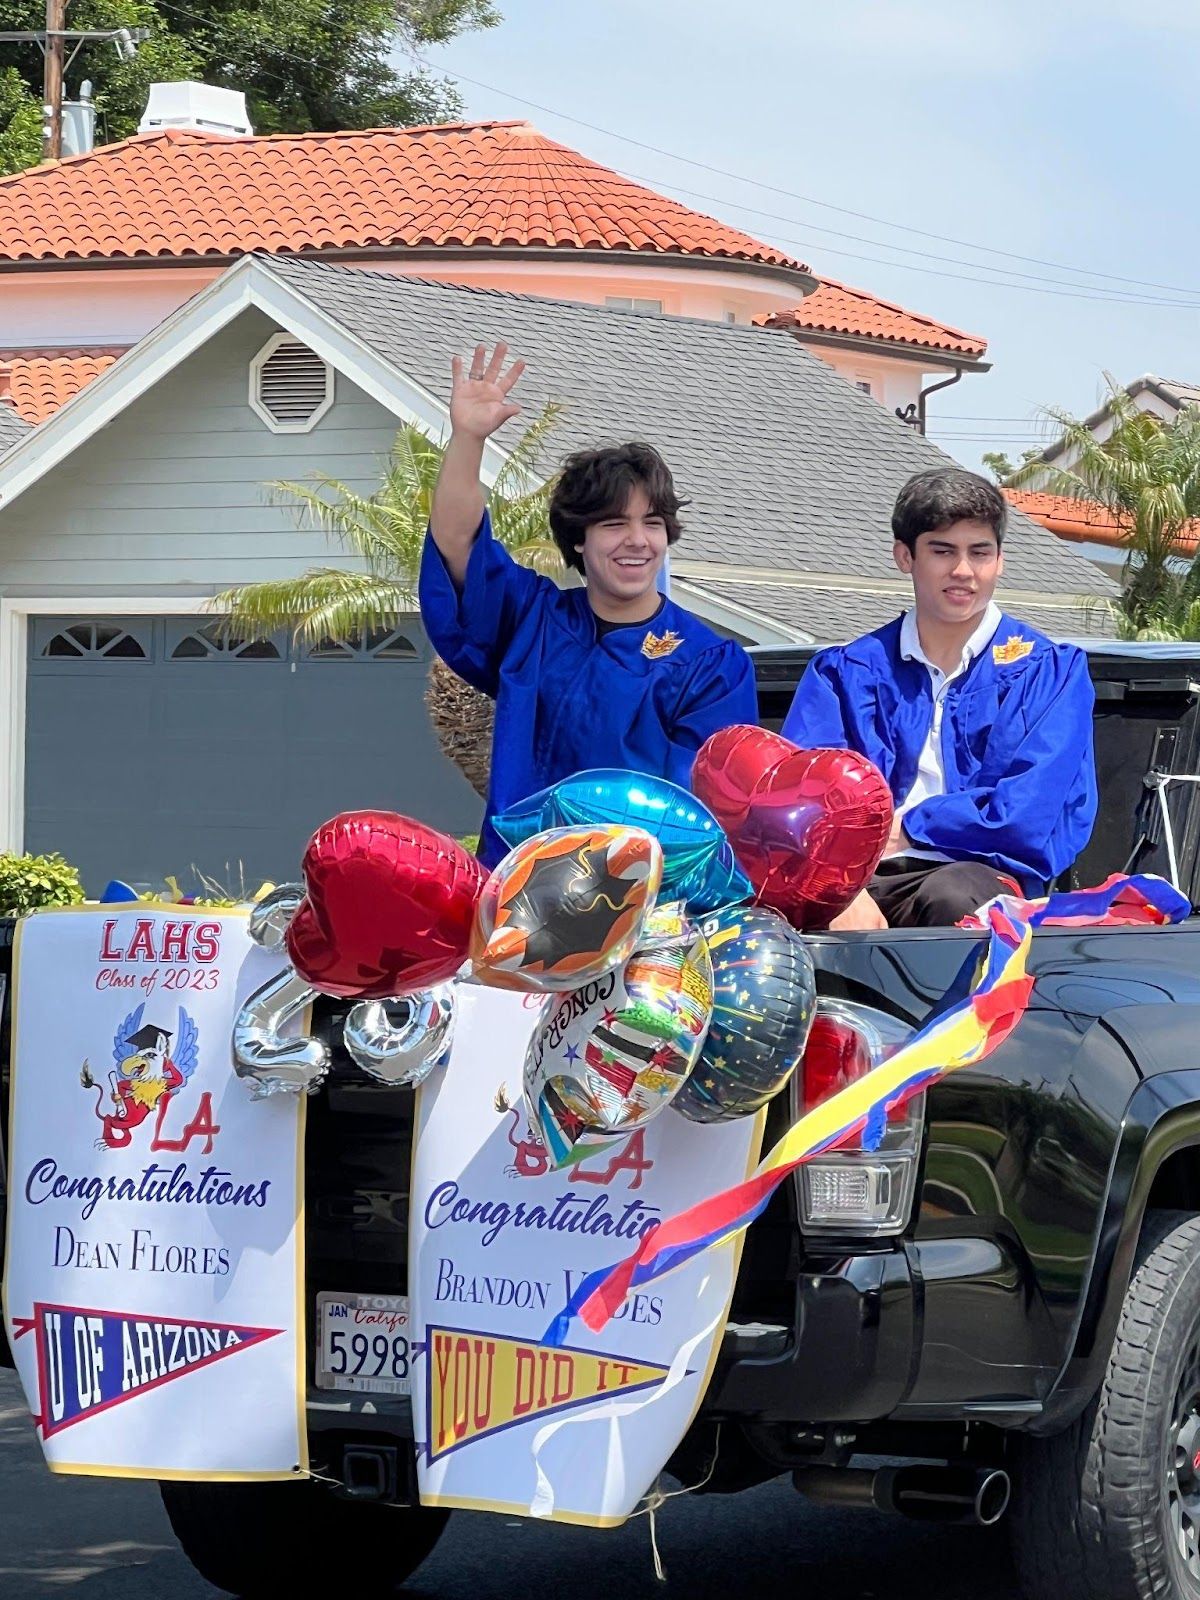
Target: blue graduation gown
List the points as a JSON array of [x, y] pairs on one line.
[[1016, 743], [567, 699]]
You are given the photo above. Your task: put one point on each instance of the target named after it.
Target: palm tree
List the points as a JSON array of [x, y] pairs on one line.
[[1147, 475], [386, 531]]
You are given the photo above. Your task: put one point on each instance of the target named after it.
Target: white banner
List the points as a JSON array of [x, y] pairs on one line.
[[497, 1242], [154, 1261]]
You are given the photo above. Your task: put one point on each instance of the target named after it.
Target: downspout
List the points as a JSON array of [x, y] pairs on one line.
[[914, 416]]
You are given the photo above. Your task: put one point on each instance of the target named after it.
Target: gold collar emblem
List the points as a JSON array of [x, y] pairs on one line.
[[656, 646], [1014, 649]]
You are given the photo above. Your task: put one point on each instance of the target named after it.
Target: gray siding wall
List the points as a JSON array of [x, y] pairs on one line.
[[171, 498]]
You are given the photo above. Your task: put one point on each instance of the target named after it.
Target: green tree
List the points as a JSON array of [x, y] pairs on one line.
[[1002, 468], [305, 65], [385, 533], [1146, 473]]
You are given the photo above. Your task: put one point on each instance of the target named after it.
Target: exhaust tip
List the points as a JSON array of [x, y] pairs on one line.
[[992, 1497]]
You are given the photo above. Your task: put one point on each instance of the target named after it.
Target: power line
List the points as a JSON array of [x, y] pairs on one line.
[[928, 255], [1039, 286], [825, 205]]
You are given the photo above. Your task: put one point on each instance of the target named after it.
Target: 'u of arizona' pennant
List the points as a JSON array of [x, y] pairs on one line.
[[90, 1360]]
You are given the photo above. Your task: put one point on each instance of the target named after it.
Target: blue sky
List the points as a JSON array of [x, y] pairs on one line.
[[1050, 128]]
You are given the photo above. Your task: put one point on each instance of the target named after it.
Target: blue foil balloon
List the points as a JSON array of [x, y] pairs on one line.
[[699, 864], [764, 999]]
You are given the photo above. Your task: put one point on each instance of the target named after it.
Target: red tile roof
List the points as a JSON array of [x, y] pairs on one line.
[[1081, 521], [180, 193], [36, 382], [837, 308]]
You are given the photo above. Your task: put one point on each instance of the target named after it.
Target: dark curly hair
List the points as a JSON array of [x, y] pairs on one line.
[[595, 484], [943, 495]]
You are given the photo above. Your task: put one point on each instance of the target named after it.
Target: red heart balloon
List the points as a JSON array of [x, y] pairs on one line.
[[808, 826], [388, 907]]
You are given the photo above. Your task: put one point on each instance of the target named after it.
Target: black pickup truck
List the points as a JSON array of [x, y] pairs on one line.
[[1003, 1301]]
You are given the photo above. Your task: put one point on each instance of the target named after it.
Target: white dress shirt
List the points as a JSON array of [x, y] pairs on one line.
[[931, 773]]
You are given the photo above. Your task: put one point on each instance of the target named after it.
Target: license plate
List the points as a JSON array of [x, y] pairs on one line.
[[363, 1343]]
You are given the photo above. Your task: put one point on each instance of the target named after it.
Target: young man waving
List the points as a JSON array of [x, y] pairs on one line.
[[610, 675], [981, 726]]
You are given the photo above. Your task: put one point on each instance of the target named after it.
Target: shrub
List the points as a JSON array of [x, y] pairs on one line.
[[27, 882]]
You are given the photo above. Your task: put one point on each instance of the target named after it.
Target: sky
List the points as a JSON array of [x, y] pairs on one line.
[[1055, 130]]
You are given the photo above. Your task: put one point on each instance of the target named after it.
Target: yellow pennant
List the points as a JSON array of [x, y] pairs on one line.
[[479, 1383]]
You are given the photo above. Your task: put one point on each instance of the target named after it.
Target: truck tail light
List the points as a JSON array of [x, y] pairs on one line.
[[856, 1191]]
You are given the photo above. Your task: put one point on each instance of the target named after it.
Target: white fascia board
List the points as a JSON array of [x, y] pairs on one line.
[[249, 284], [407, 400], [737, 618], [158, 353]]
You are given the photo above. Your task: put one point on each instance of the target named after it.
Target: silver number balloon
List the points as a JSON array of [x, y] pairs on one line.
[[404, 1054], [270, 916], [273, 1063]]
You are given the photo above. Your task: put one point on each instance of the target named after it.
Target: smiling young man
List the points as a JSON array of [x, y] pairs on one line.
[[981, 726], [613, 674]]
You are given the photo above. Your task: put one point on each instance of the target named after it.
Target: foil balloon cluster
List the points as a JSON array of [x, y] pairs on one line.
[[699, 866], [808, 826], [607, 1057], [384, 918]]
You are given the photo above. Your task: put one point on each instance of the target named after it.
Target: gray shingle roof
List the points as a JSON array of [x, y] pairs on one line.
[[835, 614], [12, 427], [786, 465]]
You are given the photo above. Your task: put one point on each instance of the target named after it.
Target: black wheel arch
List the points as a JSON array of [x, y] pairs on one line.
[[1156, 1165]]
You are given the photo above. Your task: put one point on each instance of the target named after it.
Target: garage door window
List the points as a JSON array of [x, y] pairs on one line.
[[212, 643], [96, 639], [381, 644]]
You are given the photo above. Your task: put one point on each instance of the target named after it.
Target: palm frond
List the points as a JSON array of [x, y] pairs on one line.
[[322, 603], [384, 531]]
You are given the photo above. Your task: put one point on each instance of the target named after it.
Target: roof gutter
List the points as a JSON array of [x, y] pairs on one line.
[[877, 346]]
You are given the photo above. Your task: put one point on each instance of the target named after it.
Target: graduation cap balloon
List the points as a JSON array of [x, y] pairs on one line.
[[764, 997], [699, 865], [564, 907]]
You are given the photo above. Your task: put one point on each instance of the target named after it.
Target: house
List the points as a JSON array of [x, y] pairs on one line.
[[1088, 525], [98, 249], [138, 740]]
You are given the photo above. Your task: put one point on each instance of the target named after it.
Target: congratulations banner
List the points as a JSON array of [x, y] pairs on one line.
[[153, 1266], [503, 1422]]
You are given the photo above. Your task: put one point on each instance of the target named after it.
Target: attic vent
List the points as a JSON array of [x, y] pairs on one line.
[[291, 388]]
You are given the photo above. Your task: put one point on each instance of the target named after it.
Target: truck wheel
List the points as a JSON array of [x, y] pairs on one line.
[[1110, 1509], [268, 1541]]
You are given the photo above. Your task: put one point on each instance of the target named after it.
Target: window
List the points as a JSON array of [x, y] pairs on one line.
[[291, 388], [382, 644], [729, 316], [864, 386], [95, 639], [213, 643], [622, 302]]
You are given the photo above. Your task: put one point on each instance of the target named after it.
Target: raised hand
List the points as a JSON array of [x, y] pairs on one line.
[[479, 402]]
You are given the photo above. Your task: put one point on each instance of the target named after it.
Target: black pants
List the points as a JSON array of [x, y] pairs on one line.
[[913, 893]]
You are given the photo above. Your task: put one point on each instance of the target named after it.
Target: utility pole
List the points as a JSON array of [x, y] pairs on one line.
[[53, 45], [55, 53]]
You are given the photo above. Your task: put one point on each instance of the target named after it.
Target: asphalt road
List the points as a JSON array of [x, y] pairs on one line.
[[98, 1539]]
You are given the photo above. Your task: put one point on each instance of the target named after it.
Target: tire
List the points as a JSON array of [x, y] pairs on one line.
[[268, 1541], [1110, 1508]]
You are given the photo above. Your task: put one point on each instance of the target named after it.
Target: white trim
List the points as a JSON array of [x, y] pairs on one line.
[[259, 406], [250, 283], [15, 613], [725, 613]]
